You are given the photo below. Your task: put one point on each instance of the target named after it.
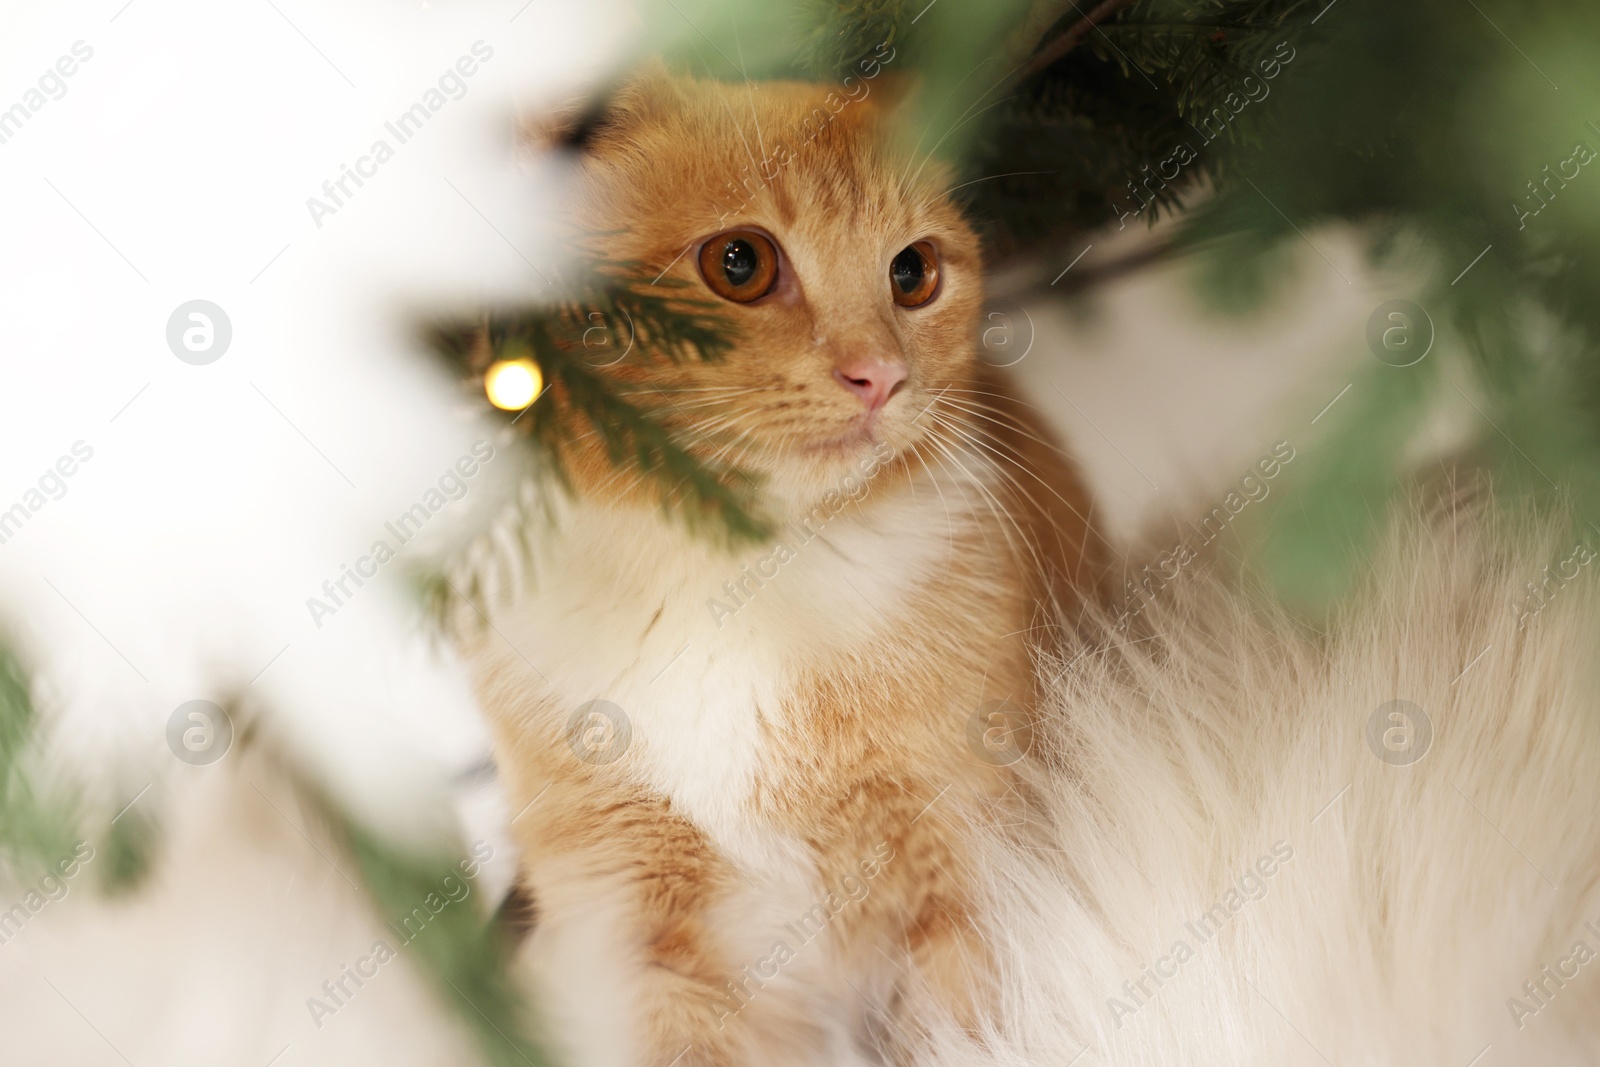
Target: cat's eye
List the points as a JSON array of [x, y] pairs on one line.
[[914, 275], [740, 265]]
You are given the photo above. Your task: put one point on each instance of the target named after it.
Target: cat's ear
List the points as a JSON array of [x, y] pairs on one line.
[[650, 92], [570, 127], [645, 94]]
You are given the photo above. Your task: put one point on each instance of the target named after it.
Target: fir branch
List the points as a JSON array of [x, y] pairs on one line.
[[1067, 41], [35, 829], [611, 398], [458, 951]]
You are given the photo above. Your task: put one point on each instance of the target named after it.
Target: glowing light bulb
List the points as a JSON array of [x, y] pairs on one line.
[[513, 384]]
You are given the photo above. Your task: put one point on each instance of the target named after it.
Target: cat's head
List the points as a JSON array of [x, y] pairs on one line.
[[851, 279]]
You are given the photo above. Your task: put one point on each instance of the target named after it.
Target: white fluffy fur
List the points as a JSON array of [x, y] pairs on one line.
[[1419, 898]]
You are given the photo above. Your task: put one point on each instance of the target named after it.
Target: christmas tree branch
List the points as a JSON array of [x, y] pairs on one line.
[[1070, 38], [594, 350]]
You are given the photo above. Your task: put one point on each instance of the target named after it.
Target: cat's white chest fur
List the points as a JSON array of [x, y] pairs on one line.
[[701, 648]]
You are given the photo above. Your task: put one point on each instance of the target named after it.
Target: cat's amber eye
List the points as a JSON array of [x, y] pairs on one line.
[[914, 275], [740, 265]]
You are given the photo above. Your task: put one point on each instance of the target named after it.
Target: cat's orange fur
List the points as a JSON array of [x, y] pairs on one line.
[[821, 735]]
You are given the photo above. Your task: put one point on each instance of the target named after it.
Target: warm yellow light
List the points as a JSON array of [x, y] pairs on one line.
[[513, 384]]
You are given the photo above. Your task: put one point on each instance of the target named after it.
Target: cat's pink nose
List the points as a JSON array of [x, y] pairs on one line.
[[874, 381]]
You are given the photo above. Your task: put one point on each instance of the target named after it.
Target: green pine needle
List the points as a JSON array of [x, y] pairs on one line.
[[616, 318]]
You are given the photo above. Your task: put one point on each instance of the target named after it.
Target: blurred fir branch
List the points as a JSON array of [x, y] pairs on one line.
[[128, 850], [600, 386], [35, 829], [460, 950]]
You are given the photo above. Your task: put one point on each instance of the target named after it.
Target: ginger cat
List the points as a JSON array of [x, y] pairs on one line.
[[742, 781]]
